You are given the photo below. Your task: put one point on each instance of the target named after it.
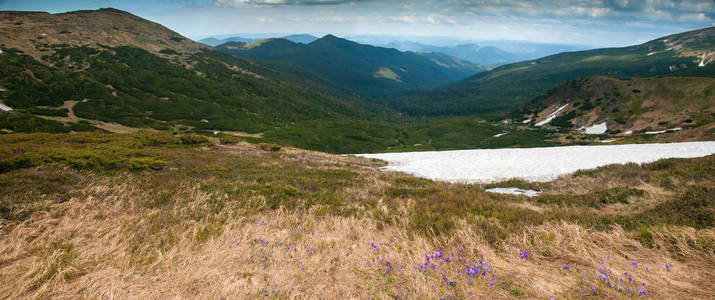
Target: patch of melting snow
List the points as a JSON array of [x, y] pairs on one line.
[[664, 131], [702, 63], [526, 121], [4, 107], [596, 129], [649, 54], [629, 132], [607, 141], [534, 164], [514, 191], [501, 134], [552, 115]]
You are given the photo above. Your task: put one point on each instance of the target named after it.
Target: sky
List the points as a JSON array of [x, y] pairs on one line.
[[586, 22]]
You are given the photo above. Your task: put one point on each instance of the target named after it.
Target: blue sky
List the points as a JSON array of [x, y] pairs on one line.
[[589, 22]]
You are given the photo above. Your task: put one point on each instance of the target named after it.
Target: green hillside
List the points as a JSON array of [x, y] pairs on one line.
[[509, 86], [354, 67], [663, 108], [60, 83]]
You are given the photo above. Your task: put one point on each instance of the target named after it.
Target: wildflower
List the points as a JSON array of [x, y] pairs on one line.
[[566, 267], [524, 255], [642, 292], [667, 267], [593, 289], [635, 265]]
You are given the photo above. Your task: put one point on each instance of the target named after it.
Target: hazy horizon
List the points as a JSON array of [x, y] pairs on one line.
[[598, 23]]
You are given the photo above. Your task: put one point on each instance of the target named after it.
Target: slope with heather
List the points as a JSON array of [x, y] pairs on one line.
[[676, 107]]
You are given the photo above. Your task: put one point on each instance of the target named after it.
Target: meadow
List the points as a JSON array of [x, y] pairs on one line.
[[157, 215]]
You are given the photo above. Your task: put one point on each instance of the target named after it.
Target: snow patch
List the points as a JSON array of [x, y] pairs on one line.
[[514, 191], [606, 141], [534, 164], [526, 121], [552, 116], [702, 63], [596, 129], [501, 134], [664, 131], [4, 107], [649, 54], [629, 132]]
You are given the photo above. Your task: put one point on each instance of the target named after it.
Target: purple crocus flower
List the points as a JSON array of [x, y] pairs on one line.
[[593, 289], [635, 265], [667, 267]]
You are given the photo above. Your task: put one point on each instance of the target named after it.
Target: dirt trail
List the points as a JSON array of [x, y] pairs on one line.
[[72, 118]]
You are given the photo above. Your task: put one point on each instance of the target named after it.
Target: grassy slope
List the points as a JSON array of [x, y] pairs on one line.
[[631, 104], [354, 67], [156, 215], [509, 86], [136, 88]]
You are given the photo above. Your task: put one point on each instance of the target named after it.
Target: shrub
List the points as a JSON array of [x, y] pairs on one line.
[[141, 163], [169, 52], [193, 139], [270, 147], [229, 139]]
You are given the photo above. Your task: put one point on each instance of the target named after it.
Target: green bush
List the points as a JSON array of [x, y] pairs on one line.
[[229, 139], [270, 147], [141, 163], [193, 139]]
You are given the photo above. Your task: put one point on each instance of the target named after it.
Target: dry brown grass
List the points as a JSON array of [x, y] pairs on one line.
[[84, 249], [167, 234]]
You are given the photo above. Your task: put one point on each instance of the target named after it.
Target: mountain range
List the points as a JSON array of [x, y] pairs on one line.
[[359, 68], [110, 70], [296, 38], [509, 86]]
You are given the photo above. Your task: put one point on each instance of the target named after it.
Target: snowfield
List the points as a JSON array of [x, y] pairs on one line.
[[551, 116], [533, 164], [514, 191], [596, 129]]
